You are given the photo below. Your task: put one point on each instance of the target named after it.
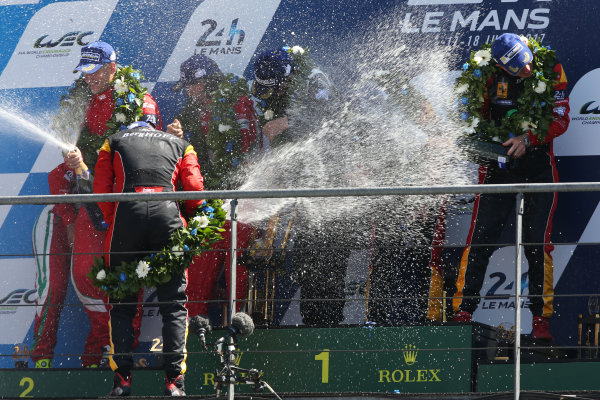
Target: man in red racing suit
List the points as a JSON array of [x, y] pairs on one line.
[[200, 76], [533, 163], [98, 63], [52, 243]]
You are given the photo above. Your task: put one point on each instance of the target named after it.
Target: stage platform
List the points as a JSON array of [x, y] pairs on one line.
[[442, 361]]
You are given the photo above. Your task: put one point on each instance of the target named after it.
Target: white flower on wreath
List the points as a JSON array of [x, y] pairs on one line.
[[121, 86], [120, 117], [269, 114], [527, 126], [540, 87], [142, 269], [482, 57], [462, 88], [470, 129], [497, 139], [101, 275], [224, 128], [297, 50], [177, 250], [202, 221]]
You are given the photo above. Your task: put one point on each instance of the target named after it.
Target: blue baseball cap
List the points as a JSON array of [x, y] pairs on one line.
[[511, 52], [271, 68], [141, 124], [197, 67], [94, 55]]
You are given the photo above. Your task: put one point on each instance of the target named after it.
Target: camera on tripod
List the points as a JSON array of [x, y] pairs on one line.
[[241, 326]]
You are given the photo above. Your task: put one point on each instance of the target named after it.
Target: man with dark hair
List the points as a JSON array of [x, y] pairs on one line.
[[200, 76], [200, 122], [277, 79], [141, 159], [293, 98], [533, 161]]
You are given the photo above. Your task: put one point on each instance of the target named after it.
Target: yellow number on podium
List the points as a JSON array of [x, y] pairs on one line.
[[29, 382], [324, 358]]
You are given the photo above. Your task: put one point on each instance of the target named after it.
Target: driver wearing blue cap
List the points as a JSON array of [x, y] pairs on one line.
[[271, 71], [513, 55], [517, 59], [294, 99], [94, 56]]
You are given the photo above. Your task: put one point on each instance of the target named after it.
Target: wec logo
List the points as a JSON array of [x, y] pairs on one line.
[[68, 39], [588, 108], [19, 296]]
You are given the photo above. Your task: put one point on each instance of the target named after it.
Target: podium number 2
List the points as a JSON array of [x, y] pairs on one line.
[[29, 382], [324, 358]]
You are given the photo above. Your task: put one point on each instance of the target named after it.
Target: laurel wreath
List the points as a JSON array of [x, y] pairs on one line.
[[128, 97], [224, 137], [278, 105], [536, 102], [203, 229]]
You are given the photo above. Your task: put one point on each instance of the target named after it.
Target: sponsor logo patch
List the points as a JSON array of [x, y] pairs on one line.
[[510, 54], [90, 56]]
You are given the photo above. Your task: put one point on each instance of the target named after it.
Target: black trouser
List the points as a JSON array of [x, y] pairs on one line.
[[320, 256], [400, 278], [490, 215], [147, 227]]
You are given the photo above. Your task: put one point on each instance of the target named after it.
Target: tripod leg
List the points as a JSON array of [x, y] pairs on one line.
[[265, 384], [596, 327]]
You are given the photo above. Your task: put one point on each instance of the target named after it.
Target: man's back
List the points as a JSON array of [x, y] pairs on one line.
[[148, 157]]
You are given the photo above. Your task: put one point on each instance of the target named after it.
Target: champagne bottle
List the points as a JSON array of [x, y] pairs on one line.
[[84, 179], [85, 185]]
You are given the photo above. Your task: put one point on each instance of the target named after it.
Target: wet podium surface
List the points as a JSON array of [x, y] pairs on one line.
[[448, 358]]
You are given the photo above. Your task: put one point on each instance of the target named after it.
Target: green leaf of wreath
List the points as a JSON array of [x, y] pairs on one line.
[[536, 103], [202, 232]]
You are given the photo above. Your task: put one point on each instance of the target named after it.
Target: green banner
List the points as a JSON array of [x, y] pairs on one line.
[[556, 376], [418, 359]]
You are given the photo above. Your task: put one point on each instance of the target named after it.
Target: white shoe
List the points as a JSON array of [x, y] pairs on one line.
[[104, 362]]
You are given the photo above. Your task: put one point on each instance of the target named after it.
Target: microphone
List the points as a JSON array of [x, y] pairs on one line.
[[241, 325], [200, 326]]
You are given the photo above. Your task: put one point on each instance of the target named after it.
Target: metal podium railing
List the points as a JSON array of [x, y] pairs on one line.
[[518, 189]]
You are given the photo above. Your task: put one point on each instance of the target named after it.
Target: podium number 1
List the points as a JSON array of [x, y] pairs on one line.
[[324, 358]]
